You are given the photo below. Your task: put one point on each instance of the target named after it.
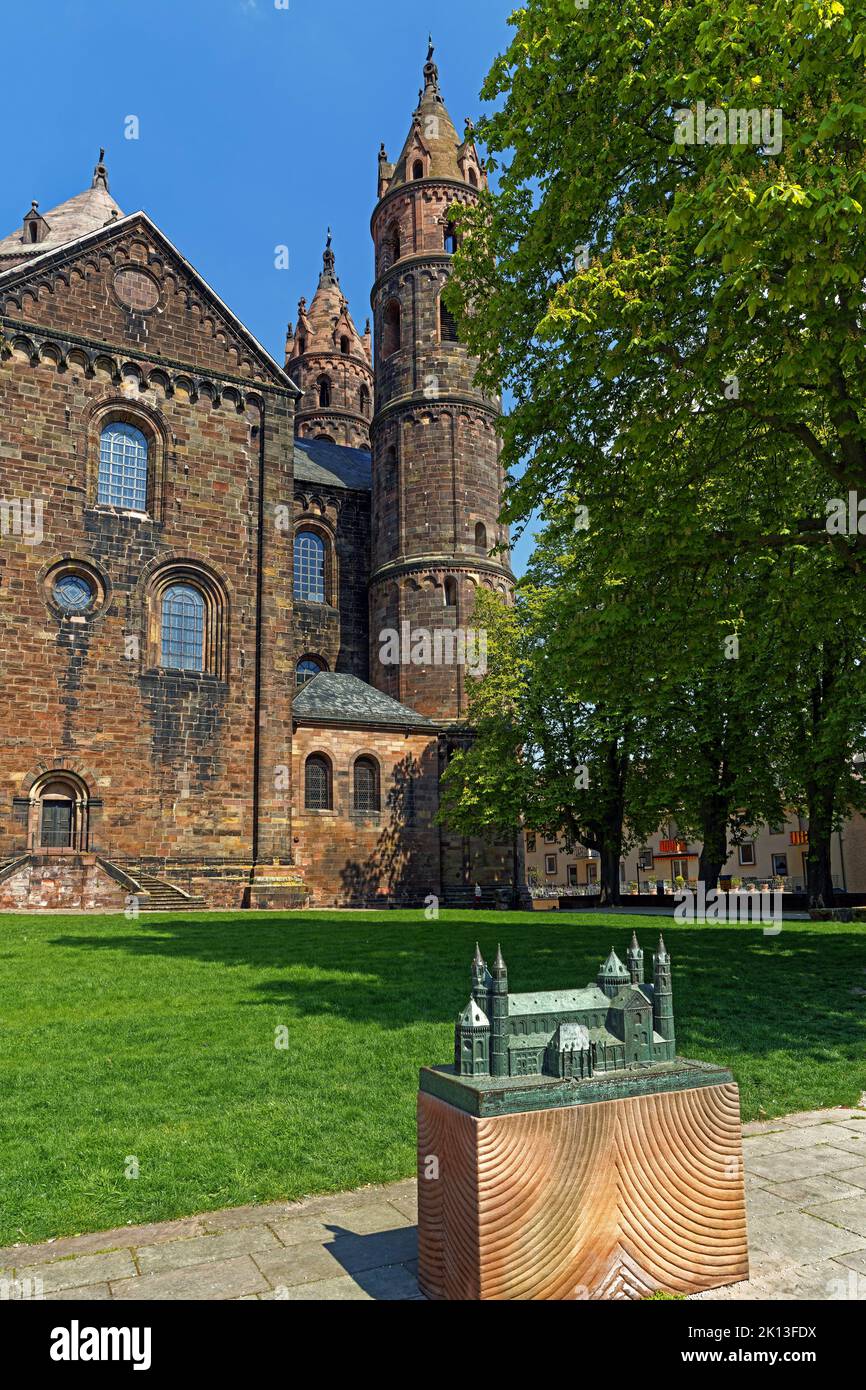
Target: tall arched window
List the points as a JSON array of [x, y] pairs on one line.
[[365, 400], [450, 238], [391, 328], [366, 785], [309, 567], [392, 245], [447, 324], [481, 538], [317, 783], [307, 670], [344, 345], [324, 391], [418, 169], [450, 592], [122, 467], [182, 628], [473, 178]]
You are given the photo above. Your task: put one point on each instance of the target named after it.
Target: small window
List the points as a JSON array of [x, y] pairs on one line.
[[302, 346], [473, 178], [309, 567], [307, 670], [646, 859], [317, 783], [418, 169], [364, 400], [747, 853], [74, 593], [571, 871], [447, 324], [122, 467], [780, 866], [481, 538], [530, 841], [450, 592], [366, 785], [344, 346], [324, 392], [450, 238], [391, 329], [393, 245], [183, 628], [550, 863]]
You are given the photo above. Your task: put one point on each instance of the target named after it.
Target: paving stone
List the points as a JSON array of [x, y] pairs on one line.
[[800, 1238], [395, 1282], [807, 1191], [221, 1279], [849, 1214], [83, 1292], [236, 1217], [842, 1137], [760, 1202], [246, 1240], [855, 1259], [302, 1264], [408, 1206], [342, 1290], [856, 1176], [366, 1220], [121, 1238], [788, 1164], [83, 1269]]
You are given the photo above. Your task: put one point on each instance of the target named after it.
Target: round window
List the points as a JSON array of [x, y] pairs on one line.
[[73, 593]]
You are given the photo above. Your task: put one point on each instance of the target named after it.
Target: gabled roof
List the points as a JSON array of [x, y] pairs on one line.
[[562, 1001], [330, 698], [473, 1017], [333, 465], [11, 278]]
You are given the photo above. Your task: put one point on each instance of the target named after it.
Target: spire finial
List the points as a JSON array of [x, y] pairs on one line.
[[429, 48], [431, 72], [328, 261], [100, 173]]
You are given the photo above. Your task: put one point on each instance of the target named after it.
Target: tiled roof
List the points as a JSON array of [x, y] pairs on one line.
[[335, 465], [343, 699], [86, 212]]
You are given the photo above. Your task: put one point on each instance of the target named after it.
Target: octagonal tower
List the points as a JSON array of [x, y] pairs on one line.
[[437, 480]]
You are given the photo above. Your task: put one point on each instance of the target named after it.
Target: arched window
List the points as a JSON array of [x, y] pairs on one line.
[[418, 169], [447, 324], [450, 238], [182, 628], [391, 329], [366, 785], [392, 246], [344, 345], [309, 567], [317, 783], [473, 178], [324, 391], [307, 670], [365, 400], [122, 467], [450, 592], [325, 438], [481, 538], [302, 346]]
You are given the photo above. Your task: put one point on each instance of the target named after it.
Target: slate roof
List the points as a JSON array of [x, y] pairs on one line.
[[342, 699], [559, 1001], [473, 1017], [333, 465]]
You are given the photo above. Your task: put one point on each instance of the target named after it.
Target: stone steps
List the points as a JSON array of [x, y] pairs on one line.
[[165, 897]]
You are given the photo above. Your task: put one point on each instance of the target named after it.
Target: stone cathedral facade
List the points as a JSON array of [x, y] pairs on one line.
[[201, 550]]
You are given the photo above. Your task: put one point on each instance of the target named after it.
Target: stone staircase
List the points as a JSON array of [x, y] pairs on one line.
[[163, 896]]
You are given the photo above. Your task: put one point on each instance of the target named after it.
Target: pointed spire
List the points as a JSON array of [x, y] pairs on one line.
[[328, 276], [431, 71], [662, 952], [100, 173], [477, 959], [635, 944], [498, 963]]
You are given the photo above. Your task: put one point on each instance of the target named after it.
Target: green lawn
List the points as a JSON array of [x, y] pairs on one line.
[[155, 1040]]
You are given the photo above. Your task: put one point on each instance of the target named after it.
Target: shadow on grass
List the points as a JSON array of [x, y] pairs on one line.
[[735, 991]]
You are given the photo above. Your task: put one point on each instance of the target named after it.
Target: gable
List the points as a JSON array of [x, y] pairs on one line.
[[126, 287]]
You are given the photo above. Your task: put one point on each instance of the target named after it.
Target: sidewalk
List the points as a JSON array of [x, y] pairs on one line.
[[806, 1194]]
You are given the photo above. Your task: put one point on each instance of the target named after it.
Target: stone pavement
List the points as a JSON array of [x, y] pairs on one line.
[[806, 1193]]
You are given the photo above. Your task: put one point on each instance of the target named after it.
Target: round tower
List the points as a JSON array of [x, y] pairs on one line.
[[499, 1017], [331, 362], [663, 1000], [437, 480]]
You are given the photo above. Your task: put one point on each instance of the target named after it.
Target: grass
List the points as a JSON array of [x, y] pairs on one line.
[[154, 1041]]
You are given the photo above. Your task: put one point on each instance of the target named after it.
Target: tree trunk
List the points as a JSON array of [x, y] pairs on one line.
[[714, 850], [610, 855], [819, 876]]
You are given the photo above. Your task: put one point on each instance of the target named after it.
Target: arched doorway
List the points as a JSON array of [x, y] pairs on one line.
[[59, 812]]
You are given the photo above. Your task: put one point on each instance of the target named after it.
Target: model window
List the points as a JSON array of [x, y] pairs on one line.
[[183, 628], [366, 797], [317, 783], [309, 567], [122, 467]]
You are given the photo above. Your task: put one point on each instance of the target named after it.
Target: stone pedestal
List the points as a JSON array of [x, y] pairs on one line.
[[275, 887], [608, 1188]]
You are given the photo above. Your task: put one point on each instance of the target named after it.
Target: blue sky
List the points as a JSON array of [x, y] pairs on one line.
[[258, 126]]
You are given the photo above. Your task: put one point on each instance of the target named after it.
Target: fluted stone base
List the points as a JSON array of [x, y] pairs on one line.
[[599, 1200]]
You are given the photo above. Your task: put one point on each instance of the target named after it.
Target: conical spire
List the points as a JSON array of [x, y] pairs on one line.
[[477, 959], [662, 952]]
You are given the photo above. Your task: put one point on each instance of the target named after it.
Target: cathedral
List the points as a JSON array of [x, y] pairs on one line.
[[215, 569]]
